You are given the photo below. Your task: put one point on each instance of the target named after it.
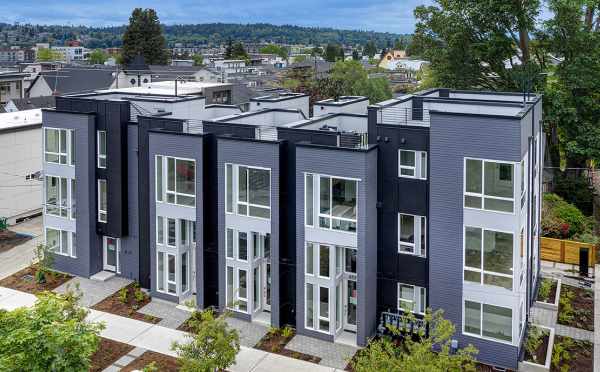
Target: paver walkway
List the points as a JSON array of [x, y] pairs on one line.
[[94, 291], [171, 316], [159, 339], [250, 333], [21, 256], [332, 354]]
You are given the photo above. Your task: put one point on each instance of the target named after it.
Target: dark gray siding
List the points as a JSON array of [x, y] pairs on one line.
[[130, 248], [454, 137], [352, 164], [259, 154], [185, 146], [89, 253]]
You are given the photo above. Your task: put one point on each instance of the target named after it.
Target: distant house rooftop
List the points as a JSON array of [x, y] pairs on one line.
[[21, 104]]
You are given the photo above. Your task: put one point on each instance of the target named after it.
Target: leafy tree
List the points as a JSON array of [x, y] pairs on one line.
[[235, 51], [53, 335], [275, 49], [332, 52], [350, 78], [355, 55], [370, 49], [48, 55], [213, 347], [316, 51], [229, 49], [416, 356], [144, 36], [563, 220], [400, 44], [198, 60], [97, 57]]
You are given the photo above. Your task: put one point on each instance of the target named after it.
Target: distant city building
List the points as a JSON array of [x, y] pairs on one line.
[[11, 85], [72, 54]]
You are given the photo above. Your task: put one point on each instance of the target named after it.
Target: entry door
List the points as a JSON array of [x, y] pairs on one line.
[[110, 248], [350, 302], [266, 280]]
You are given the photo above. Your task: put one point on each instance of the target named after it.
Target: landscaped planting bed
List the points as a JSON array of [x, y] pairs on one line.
[[547, 291], [108, 352], [576, 307], [536, 345], [126, 302], [164, 363], [24, 281], [276, 340], [572, 355], [10, 239]]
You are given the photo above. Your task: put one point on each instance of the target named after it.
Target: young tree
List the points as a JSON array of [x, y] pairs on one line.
[[144, 36], [198, 60], [431, 353], [43, 261], [53, 335], [97, 57], [213, 347]]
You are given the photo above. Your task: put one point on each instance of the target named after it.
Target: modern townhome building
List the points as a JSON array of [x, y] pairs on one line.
[[336, 224]]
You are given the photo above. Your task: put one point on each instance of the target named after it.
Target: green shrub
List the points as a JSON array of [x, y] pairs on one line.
[[534, 340], [545, 288], [287, 332], [563, 220], [139, 295], [123, 293], [561, 354], [566, 313]]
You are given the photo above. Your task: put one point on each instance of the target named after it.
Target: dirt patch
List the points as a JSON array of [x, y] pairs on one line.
[[539, 355], [275, 342], [165, 363], [572, 355], [10, 239], [126, 302], [24, 281], [108, 352], [576, 307]]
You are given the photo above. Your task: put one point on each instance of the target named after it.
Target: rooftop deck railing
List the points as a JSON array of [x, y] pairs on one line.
[[395, 115]]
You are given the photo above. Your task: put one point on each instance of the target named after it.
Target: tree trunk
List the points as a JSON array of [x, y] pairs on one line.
[[589, 16]]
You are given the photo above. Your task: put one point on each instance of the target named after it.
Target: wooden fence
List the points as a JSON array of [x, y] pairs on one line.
[[565, 251]]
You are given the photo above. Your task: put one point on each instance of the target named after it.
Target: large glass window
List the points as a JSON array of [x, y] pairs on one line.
[[324, 309], [254, 192], [489, 185], [229, 290], [171, 232], [229, 243], [324, 266], [160, 230], [412, 298], [73, 197], [101, 138], [229, 188], [412, 235], [309, 257], [58, 146], [242, 304], [180, 181], [184, 272], [310, 292], [57, 196], [102, 201], [337, 203], [488, 321], [412, 164], [171, 274], [242, 246], [488, 257], [60, 242], [160, 267]]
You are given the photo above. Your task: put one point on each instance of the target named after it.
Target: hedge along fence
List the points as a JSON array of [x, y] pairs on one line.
[[565, 251]]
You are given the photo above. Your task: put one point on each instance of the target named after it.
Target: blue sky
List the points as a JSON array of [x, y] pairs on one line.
[[378, 15]]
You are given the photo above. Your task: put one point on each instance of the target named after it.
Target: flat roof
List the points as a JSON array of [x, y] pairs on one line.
[[167, 88], [341, 101], [18, 119], [278, 97], [118, 95]]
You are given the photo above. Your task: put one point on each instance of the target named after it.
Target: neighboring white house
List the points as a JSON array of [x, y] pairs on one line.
[[72, 53], [20, 164]]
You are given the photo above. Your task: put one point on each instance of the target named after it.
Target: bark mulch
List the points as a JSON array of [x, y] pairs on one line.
[[126, 302], [108, 352], [24, 281], [274, 342], [10, 239], [164, 363]]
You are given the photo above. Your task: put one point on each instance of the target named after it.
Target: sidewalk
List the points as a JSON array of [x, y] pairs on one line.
[[21, 256], [159, 339]]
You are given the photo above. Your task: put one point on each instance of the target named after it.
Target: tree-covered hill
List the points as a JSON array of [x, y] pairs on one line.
[[198, 34]]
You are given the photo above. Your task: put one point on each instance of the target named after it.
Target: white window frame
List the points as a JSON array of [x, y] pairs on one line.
[[60, 250], [167, 281], [160, 224], [481, 336], [330, 216], [319, 316], [236, 246], [330, 248], [235, 197], [100, 155], [419, 169], [69, 209], [419, 221], [309, 246], [167, 232], [159, 164], [68, 153], [418, 293], [480, 270], [72, 197], [101, 211], [306, 284], [311, 201], [165, 175], [482, 195], [187, 273], [238, 297]]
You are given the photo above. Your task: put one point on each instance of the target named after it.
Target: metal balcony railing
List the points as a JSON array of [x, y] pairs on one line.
[[401, 321], [396, 115]]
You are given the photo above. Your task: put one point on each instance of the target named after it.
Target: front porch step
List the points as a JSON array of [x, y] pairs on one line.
[[102, 276]]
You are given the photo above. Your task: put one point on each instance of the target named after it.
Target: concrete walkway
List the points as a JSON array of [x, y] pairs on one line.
[[19, 257], [159, 339]]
